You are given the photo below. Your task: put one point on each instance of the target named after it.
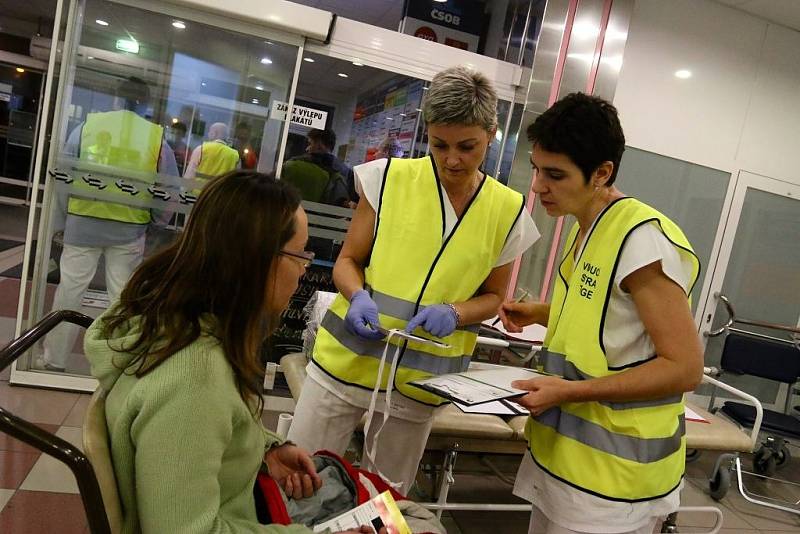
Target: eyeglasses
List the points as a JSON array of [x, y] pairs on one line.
[[303, 258]]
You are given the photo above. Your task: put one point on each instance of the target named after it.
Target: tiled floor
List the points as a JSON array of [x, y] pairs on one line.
[[38, 494]]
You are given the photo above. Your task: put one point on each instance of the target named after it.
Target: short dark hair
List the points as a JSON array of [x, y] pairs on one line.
[[326, 137], [134, 91], [179, 126], [583, 127]]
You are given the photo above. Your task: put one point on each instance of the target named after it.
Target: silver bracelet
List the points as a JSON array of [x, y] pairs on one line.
[[458, 315]]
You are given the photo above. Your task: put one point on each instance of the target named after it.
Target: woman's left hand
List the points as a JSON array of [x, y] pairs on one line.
[[292, 468], [439, 320], [545, 393]]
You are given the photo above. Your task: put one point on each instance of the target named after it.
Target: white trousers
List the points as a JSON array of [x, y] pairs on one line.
[[323, 421], [540, 524], [78, 266]]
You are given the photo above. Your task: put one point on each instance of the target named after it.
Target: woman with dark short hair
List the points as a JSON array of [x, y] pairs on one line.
[[607, 450]]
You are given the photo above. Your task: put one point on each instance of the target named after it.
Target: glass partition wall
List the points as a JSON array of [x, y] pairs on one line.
[[140, 94], [142, 90]]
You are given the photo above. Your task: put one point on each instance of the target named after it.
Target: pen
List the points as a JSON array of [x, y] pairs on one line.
[[525, 294]]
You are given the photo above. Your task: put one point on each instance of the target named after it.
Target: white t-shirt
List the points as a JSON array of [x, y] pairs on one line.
[[369, 177], [625, 341]]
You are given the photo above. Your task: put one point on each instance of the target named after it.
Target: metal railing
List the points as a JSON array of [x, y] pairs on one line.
[[50, 444]]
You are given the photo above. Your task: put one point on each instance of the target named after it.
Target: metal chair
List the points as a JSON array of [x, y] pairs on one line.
[[65, 452], [96, 448], [752, 353]]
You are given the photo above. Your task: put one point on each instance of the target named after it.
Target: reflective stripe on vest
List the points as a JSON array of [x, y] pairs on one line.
[[414, 265], [216, 159], [123, 140], [625, 451]]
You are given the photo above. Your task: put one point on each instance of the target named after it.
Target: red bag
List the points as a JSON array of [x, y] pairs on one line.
[[274, 502]]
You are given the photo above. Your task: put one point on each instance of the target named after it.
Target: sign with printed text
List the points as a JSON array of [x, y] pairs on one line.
[[313, 118], [456, 23]]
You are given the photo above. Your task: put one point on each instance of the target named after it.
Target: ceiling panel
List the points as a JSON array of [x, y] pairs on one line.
[[784, 12]]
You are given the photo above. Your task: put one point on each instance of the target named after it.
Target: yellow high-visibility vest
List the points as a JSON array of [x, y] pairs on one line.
[[624, 451], [216, 159], [124, 140], [413, 265]]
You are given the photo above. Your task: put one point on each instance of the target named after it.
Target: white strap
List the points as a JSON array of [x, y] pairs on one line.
[[369, 445]]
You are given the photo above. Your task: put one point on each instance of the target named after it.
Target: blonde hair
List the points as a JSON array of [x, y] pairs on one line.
[[460, 95]]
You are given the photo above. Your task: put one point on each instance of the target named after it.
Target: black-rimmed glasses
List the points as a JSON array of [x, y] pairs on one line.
[[303, 258]]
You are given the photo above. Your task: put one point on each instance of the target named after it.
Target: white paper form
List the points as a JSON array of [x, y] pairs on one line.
[[477, 387]]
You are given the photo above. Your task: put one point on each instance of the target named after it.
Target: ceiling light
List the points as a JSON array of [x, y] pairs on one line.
[[402, 114], [174, 120], [203, 84], [178, 24], [389, 119], [260, 87], [255, 101], [683, 74], [20, 70], [268, 42], [357, 63], [441, 1], [89, 57], [343, 75], [101, 22], [310, 60], [266, 61]]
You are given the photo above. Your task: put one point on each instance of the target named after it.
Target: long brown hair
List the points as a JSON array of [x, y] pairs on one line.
[[220, 267]]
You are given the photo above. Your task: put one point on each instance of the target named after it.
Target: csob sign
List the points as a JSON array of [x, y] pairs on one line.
[[457, 23], [313, 118]]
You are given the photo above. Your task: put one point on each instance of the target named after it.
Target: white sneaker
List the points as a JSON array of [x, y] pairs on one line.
[[43, 365]]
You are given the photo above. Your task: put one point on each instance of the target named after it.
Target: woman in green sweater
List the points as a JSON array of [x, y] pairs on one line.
[[179, 358]]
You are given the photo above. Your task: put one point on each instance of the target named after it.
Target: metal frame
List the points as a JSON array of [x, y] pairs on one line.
[[50, 444], [729, 224], [739, 186], [389, 50], [732, 462]]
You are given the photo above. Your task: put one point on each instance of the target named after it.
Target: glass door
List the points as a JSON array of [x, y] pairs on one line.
[[139, 93], [758, 270]]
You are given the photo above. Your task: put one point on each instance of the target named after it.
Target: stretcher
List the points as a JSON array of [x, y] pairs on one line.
[[455, 432]]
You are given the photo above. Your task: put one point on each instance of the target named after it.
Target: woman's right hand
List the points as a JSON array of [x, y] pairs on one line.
[[516, 315], [362, 312]]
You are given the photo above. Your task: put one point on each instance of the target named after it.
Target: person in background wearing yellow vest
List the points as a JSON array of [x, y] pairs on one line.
[[607, 450], [429, 250], [214, 157], [121, 139]]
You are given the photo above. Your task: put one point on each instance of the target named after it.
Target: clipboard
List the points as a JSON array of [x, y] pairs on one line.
[[472, 388]]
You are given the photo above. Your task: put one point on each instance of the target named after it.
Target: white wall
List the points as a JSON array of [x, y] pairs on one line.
[[771, 139], [738, 110]]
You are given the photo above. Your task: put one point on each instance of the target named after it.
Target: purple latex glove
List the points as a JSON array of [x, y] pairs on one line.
[[362, 312], [439, 320]]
